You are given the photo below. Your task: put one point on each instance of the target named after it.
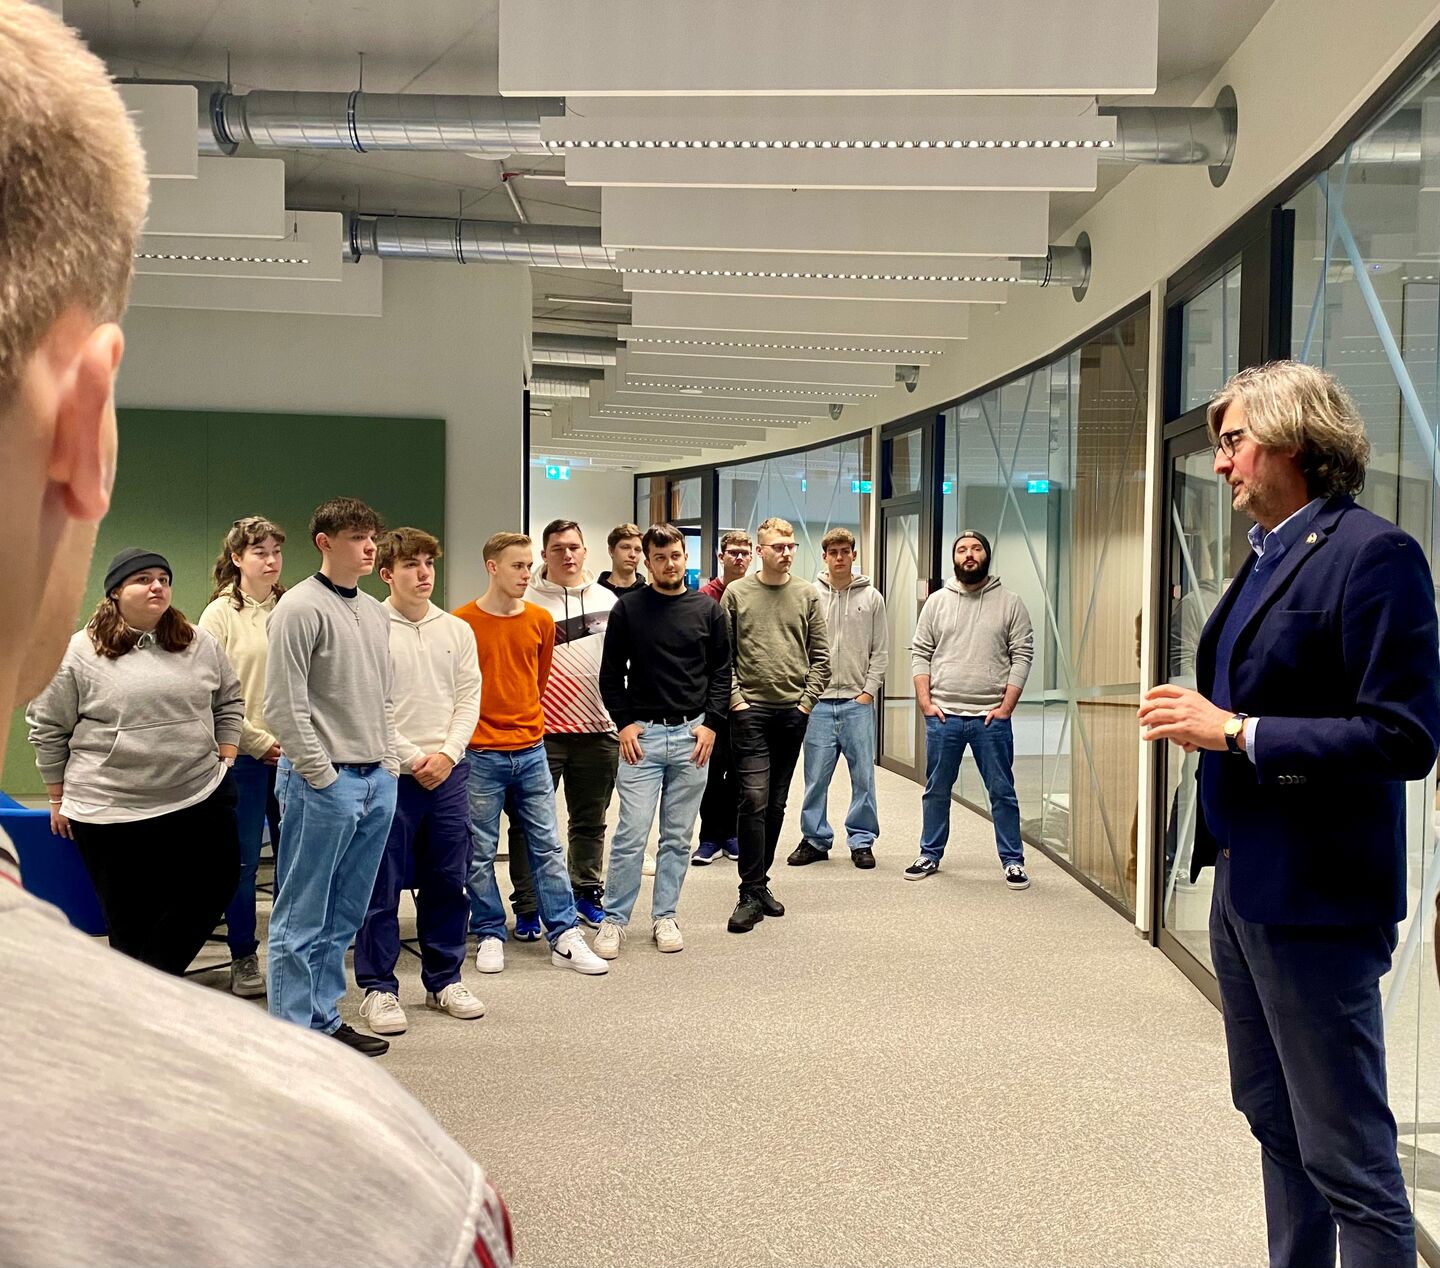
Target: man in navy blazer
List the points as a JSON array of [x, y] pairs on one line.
[[1318, 697]]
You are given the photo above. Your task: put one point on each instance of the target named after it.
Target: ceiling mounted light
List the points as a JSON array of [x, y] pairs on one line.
[[587, 299]]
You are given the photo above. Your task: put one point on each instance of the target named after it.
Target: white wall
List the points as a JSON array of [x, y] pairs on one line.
[[450, 344], [594, 498]]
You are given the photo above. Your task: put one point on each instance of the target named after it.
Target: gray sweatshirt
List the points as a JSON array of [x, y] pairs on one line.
[[328, 681], [136, 736], [973, 644], [859, 637]]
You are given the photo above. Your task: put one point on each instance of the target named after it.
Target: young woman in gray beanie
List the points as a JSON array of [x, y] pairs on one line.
[[134, 738]]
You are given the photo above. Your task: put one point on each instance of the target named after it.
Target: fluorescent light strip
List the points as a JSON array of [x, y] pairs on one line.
[[971, 143], [221, 259], [624, 412], [830, 277], [735, 391], [793, 347], [595, 300]]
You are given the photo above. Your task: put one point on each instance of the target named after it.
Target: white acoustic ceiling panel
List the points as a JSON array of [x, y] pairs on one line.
[[777, 345], [648, 365], [798, 266], [827, 47], [164, 116], [814, 221], [851, 317], [782, 286], [701, 408], [952, 143], [583, 419], [357, 294], [310, 252], [231, 198]]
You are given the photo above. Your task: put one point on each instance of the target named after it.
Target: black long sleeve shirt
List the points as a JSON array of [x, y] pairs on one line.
[[666, 655]]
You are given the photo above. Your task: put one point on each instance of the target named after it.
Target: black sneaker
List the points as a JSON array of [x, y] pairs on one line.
[[863, 858], [921, 868], [365, 1045], [747, 914], [1015, 877], [806, 853], [769, 904]]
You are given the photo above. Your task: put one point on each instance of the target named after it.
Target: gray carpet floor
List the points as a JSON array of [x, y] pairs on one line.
[[896, 1073]]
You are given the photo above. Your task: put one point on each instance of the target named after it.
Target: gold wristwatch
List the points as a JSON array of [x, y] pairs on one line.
[[1234, 728]]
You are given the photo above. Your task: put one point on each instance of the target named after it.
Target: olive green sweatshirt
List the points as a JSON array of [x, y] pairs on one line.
[[777, 633]]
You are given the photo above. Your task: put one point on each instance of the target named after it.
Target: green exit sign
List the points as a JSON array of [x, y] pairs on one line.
[[556, 472], [1037, 486]]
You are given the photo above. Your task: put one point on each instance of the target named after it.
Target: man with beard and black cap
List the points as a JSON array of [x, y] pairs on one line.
[[971, 655]]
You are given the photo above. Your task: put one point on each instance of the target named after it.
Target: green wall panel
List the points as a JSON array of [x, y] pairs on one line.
[[186, 475]]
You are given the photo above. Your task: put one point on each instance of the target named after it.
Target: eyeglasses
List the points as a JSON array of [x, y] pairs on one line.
[[781, 548], [1228, 440], [738, 556]]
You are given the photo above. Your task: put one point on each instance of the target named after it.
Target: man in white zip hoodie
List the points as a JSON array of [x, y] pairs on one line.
[[437, 704], [580, 740], [971, 655], [843, 720]]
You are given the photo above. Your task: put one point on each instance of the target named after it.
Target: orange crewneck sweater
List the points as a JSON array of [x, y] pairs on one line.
[[515, 656]]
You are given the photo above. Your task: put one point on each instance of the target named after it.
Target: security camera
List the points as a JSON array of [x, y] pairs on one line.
[[835, 411], [909, 375]]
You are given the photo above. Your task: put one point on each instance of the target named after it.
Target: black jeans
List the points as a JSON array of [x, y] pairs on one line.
[[719, 805], [164, 883], [765, 743]]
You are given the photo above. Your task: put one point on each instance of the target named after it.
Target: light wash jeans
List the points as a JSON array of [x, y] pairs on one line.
[[331, 840], [493, 773], [836, 727], [994, 749], [666, 774]]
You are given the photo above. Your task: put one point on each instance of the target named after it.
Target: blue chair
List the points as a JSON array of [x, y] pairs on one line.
[[51, 867]]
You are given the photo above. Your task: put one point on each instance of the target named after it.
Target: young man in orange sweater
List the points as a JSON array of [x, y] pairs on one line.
[[516, 641]]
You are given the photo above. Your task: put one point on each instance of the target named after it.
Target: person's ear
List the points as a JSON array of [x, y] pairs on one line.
[[82, 458], [322, 542], [387, 576]]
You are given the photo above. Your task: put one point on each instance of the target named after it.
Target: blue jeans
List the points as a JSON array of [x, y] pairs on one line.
[[254, 782], [666, 774], [526, 772], [840, 726], [429, 849], [1306, 1040], [331, 840], [994, 749]]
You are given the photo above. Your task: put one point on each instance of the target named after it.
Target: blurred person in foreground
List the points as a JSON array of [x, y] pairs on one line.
[[125, 1089]]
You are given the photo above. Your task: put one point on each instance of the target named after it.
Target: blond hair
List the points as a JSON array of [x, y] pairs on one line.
[[73, 191], [781, 528], [1290, 405], [501, 542]]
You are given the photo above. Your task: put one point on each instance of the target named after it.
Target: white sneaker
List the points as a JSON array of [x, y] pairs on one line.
[[490, 956], [571, 952], [382, 1012], [609, 938], [647, 868], [457, 1000], [667, 935]]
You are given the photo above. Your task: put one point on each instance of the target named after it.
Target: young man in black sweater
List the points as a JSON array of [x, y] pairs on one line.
[[665, 680]]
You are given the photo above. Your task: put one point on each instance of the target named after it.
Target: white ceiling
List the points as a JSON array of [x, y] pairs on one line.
[[453, 46]]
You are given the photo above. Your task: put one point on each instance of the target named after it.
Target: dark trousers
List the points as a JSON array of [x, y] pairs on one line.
[[1306, 1038], [720, 804], [587, 764], [430, 841], [164, 882], [765, 741]]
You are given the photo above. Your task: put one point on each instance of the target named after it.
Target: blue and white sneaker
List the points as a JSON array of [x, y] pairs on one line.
[[921, 868], [589, 911], [705, 854], [527, 927], [732, 849]]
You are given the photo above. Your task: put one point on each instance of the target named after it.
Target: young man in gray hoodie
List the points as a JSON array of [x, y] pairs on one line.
[[843, 720], [971, 655]]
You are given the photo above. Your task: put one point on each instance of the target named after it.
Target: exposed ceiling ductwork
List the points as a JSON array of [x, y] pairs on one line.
[[477, 242], [1173, 135], [364, 121], [576, 350], [562, 380]]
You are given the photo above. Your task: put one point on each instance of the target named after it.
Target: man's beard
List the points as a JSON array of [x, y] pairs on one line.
[[974, 577]]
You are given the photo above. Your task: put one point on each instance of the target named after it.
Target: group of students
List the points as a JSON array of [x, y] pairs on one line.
[[391, 737]]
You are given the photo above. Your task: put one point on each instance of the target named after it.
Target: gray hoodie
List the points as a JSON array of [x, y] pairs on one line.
[[973, 644], [859, 637]]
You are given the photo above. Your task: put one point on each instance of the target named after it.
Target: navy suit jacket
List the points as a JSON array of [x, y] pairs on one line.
[[1340, 662]]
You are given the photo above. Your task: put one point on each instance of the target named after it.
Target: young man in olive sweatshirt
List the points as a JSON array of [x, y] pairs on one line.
[[781, 667]]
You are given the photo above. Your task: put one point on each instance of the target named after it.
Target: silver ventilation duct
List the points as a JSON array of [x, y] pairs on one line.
[[562, 381], [1059, 266], [1172, 134], [365, 121], [477, 242], [576, 350]]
